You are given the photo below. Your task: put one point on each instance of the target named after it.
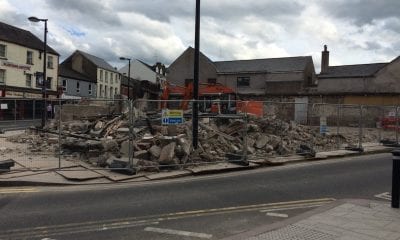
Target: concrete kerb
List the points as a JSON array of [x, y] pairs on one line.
[[206, 170]]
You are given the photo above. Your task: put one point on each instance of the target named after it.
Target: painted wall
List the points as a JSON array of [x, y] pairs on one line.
[[71, 89], [107, 80], [139, 71], [17, 68]]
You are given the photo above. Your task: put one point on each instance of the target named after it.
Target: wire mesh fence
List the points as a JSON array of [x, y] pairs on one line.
[[143, 135]]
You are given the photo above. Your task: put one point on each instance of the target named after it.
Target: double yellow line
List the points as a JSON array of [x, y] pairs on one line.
[[17, 190], [104, 225]]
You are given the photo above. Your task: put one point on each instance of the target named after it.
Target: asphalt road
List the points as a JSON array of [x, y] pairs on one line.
[[206, 207]]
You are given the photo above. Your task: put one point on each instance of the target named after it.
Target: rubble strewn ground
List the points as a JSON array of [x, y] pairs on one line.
[[105, 142]]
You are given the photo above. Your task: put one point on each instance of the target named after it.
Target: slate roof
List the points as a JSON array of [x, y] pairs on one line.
[[22, 37], [359, 70], [64, 71], [99, 62], [288, 64]]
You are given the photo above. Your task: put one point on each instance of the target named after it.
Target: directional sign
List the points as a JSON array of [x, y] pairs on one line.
[[171, 117]]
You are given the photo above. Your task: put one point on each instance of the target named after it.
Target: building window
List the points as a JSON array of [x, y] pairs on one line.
[[48, 82], [188, 81], [111, 92], [116, 91], [29, 57], [50, 62], [112, 78], [28, 78], [78, 89], [101, 90], [105, 91], [64, 85], [106, 73], [3, 51], [90, 89], [101, 75], [2, 75], [243, 81], [212, 81]]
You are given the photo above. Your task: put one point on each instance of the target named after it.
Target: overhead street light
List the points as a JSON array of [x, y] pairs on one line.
[[35, 19], [129, 75]]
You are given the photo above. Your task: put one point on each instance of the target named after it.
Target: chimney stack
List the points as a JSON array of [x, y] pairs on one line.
[[325, 60]]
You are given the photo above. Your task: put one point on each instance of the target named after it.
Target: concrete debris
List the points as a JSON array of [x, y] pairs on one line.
[[105, 141], [5, 165]]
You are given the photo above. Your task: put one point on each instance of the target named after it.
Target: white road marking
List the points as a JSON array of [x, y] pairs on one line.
[[178, 232], [282, 215], [385, 195]]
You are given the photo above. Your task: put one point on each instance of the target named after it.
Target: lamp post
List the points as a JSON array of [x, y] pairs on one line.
[[35, 19], [129, 75]]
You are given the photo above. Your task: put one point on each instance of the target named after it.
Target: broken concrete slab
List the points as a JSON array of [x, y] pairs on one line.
[[142, 154], [78, 174], [261, 141], [167, 154], [155, 151]]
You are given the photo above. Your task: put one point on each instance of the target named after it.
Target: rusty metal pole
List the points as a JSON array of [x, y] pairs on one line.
[[195, 111]]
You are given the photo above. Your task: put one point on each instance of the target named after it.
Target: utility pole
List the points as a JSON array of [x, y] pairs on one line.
[[195, 111]]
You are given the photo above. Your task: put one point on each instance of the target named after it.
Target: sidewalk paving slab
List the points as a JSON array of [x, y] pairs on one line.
[[343, 219]]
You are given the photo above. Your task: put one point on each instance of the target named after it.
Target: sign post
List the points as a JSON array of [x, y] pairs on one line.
[[171, 117]]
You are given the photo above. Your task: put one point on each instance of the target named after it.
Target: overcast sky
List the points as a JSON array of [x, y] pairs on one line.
[[356, 31]]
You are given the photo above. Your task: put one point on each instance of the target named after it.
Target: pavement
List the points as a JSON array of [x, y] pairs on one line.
[[343, 219]]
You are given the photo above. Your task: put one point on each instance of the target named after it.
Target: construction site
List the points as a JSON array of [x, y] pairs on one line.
[[124, 139]]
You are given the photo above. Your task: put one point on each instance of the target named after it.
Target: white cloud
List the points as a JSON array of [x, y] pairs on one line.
[[230, 29]]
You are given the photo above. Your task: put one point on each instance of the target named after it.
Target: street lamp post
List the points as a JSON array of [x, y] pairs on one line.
[[35, 19], [129, 75]]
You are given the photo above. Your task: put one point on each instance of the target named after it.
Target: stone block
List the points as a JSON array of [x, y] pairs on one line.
[[167, 154]]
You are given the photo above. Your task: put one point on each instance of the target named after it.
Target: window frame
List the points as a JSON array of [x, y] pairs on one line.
[[28, 80], [50, 63], [5, 51], [29, 57], [78, 87], [90, 89], [241, 81], [48, 82], [64, 86], [211, 81], [4, 75]]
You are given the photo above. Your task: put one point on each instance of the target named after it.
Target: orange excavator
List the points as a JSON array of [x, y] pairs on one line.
[[213, 98]]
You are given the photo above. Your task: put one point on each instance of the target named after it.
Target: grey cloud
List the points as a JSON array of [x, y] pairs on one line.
[[362, 12], [270, 10], [162, 10], [87, 10]]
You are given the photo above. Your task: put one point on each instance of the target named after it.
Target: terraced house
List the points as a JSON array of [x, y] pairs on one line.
[[21, 64], [88, 76]]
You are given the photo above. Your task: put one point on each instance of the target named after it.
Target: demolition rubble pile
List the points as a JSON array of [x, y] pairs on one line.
[[106, 143]]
